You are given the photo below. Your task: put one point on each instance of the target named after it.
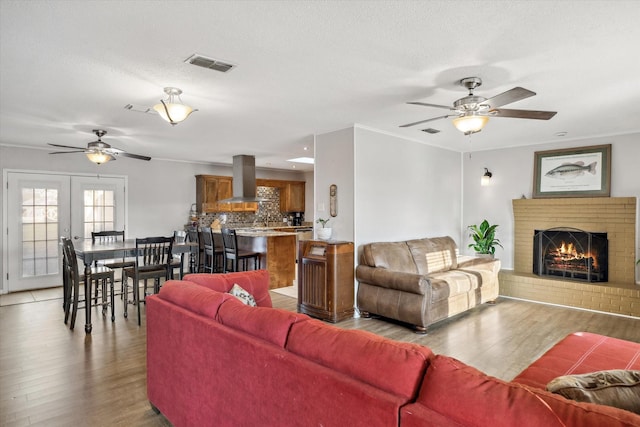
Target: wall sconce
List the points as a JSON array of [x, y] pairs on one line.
[[486, 178], [173, 110]]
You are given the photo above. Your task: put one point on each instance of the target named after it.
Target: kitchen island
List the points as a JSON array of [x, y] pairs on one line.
[[277, 251]]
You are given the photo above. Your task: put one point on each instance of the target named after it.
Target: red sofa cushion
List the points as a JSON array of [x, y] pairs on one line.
[[581, 353], [256, 282], [269, 324], [193, 297], [392, 366], [475, 399]]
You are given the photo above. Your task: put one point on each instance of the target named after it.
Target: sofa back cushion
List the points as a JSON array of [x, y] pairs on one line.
[[434, 254], [394, 256], [256, 282], [193, 297], [473, 398], [269, 324], [392, 366]]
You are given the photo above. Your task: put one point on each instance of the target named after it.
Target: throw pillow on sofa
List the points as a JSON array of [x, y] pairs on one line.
[[618, 388], [242, 295]]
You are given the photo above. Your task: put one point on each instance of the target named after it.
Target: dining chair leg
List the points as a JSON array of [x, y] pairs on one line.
[[125, 294], [113, 305], [136, 292]]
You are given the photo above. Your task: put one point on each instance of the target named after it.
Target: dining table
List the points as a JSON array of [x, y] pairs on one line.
[[90, 252]]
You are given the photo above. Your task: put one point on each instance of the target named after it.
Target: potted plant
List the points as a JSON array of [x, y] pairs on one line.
[[484, 238], [324, 233]]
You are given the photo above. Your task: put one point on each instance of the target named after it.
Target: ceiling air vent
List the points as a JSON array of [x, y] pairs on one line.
[[430, 130], [212, 64]]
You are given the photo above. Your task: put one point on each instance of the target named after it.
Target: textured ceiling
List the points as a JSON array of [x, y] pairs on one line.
[[310, 67]]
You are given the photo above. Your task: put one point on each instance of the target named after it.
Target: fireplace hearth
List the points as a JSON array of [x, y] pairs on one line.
[[571, 254]]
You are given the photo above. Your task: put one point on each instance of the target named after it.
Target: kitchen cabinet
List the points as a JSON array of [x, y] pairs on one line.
[[292, 197], [291, 193], [210, 189]]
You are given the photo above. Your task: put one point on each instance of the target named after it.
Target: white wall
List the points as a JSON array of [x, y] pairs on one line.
[[512, 170], [160, 192], [334, 157], [389, 188], [405, 189]]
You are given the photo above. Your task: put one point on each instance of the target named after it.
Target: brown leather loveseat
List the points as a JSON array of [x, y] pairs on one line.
[[422, 281]]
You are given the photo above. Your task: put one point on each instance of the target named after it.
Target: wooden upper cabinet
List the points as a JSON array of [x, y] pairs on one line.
[[291, 193], [292, 197], [210, 189]]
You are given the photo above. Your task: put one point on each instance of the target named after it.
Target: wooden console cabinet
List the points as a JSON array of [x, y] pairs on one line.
[[326, 279]]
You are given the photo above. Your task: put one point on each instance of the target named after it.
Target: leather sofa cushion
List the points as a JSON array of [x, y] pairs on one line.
[[433, 254], [394, 256], [193, 297], [393, 366], [269, 324], [256, 282]]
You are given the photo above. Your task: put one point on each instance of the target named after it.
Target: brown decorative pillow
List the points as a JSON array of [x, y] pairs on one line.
[[618, 388]]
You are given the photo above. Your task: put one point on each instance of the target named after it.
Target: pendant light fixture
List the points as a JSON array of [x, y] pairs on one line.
[[172, 109]]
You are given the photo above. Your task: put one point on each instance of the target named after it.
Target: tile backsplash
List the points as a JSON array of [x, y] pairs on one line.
[[269, 209]]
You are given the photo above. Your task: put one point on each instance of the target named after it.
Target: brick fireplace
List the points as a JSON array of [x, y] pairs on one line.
[[615, 216]]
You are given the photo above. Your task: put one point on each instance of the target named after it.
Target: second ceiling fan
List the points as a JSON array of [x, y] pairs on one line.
[[472, 112], [98, 151]]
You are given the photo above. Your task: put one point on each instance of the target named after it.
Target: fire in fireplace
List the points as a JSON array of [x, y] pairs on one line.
[[571, 254]]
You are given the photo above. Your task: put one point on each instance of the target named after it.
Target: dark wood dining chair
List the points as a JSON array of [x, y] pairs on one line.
[[153, 261], [233, 254], [105, 237], [72, 280], [211, 252], [194, 256]]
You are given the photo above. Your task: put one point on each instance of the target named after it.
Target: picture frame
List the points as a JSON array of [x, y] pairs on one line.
[[572, 172]]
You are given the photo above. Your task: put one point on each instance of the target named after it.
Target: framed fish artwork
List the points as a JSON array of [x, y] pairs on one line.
[[572, 172]]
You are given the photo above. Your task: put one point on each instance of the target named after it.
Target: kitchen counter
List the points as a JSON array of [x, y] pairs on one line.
[[277, 251]]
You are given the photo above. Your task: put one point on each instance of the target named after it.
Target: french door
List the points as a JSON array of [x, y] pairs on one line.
[[42, 207]]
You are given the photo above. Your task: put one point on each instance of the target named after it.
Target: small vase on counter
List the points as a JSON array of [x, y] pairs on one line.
[[324, 233]]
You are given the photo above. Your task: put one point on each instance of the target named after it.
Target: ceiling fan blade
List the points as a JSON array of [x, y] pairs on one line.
[[66, 146], [67, 152], [512, 95], [425, 121], [425, 104], [133, 156], [118, 152], [522, 114]]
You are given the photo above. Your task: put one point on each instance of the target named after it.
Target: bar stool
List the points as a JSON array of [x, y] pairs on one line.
[[211, 252], [233, 254]]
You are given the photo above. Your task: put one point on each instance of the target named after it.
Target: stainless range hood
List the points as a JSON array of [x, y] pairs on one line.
[[244, 180]]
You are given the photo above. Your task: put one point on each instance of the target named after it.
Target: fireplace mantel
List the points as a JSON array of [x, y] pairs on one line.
[[615, 216]]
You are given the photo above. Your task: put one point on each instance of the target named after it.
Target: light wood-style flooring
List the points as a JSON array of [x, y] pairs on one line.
[[51, 376]]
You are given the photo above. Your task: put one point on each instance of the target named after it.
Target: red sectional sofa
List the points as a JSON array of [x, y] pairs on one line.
[[213, 361]]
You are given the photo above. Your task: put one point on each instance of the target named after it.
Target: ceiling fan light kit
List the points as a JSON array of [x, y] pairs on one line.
[[173, 110], [470, 123], [99, 157], [472, 112]]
